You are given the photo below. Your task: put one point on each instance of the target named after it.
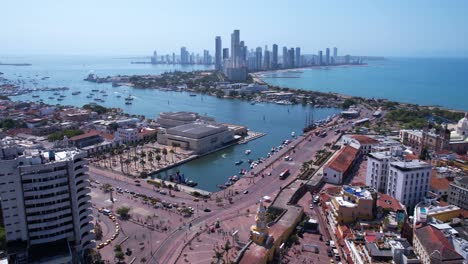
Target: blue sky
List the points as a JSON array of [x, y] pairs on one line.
[[123, 27]]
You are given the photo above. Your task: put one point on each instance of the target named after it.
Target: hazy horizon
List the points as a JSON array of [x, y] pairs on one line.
[[120, 28]]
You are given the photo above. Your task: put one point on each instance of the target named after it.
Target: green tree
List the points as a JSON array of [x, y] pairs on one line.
[[119, 255], [347, 103], [164, 152], [123, 212], [424, 155]]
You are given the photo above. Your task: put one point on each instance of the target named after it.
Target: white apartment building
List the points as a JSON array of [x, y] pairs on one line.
[[46, 204], [126, 135], [377, 170], [408, 181], [378, 165]]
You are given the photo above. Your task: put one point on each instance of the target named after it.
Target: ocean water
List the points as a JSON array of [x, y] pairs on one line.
[[425, 81], [277, 121]]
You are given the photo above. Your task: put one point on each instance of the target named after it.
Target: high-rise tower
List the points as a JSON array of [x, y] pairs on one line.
[[218, 51]]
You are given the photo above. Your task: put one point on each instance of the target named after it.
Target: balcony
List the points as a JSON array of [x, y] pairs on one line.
[[52, 238], [53, 231], [33, 175], [87, 205], [50, 223], [47, 200], [27, 186], [83, 192], [48, 207], [84, 198], [81, 177], [50, 215]]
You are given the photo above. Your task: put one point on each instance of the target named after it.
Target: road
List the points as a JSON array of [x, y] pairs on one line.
[[304, 150]]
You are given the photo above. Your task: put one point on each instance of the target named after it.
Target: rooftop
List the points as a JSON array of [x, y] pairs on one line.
[[386, 201], [85, 135], [343, 160], [365, 140], [196, 130], [433, 240], [410, 165], [439, 183]]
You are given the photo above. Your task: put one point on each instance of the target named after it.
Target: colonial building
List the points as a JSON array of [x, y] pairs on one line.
[[458, 192]]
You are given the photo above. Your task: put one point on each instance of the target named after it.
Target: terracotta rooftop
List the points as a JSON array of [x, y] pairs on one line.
[[386, 201], [433, 240], [255, 254], [439, 183], [343, 160], [102, 134], [365, 140], [85, 135], [16, 131]]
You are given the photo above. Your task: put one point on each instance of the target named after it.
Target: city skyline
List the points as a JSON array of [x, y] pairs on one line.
[[134, 29]]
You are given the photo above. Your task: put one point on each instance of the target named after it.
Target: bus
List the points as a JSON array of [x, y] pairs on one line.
[[284, 174]]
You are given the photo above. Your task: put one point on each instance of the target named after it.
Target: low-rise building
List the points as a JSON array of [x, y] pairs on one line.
[[353, 204], [198, 137], [86, 139], [173, 119], [365, 143], [126, 135], [340, 165], [458, 192], [432, 246]]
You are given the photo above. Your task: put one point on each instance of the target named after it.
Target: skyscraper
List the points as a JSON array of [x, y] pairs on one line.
[[327, 56], [267, 62], [225, 53], [291, 58], [298, 57], [320, 57], [235, 49], [274, 61], [184, 55], [218, 54], [206, 57], [45, 203], [154, 59], [285, 58], [258, 56], [173, 58], [335, 52]]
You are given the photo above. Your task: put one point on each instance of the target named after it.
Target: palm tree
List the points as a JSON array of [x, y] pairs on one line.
[[227, 247], [135, 159], [150, 160], [127, 162], [142, 163], [175, 145], [164, 152], [172, 154]]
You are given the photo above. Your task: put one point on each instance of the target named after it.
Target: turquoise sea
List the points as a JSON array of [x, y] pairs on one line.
[[424, 81], [277, 121]]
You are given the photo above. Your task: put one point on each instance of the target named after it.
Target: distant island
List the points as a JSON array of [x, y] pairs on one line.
[[15, 64]]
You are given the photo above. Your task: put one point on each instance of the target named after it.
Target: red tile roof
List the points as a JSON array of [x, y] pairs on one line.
[[343, 160], [85, 135], [438, 183], [433, 240], [255, 254], [16, 131], [365, 140], [386, 201]]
